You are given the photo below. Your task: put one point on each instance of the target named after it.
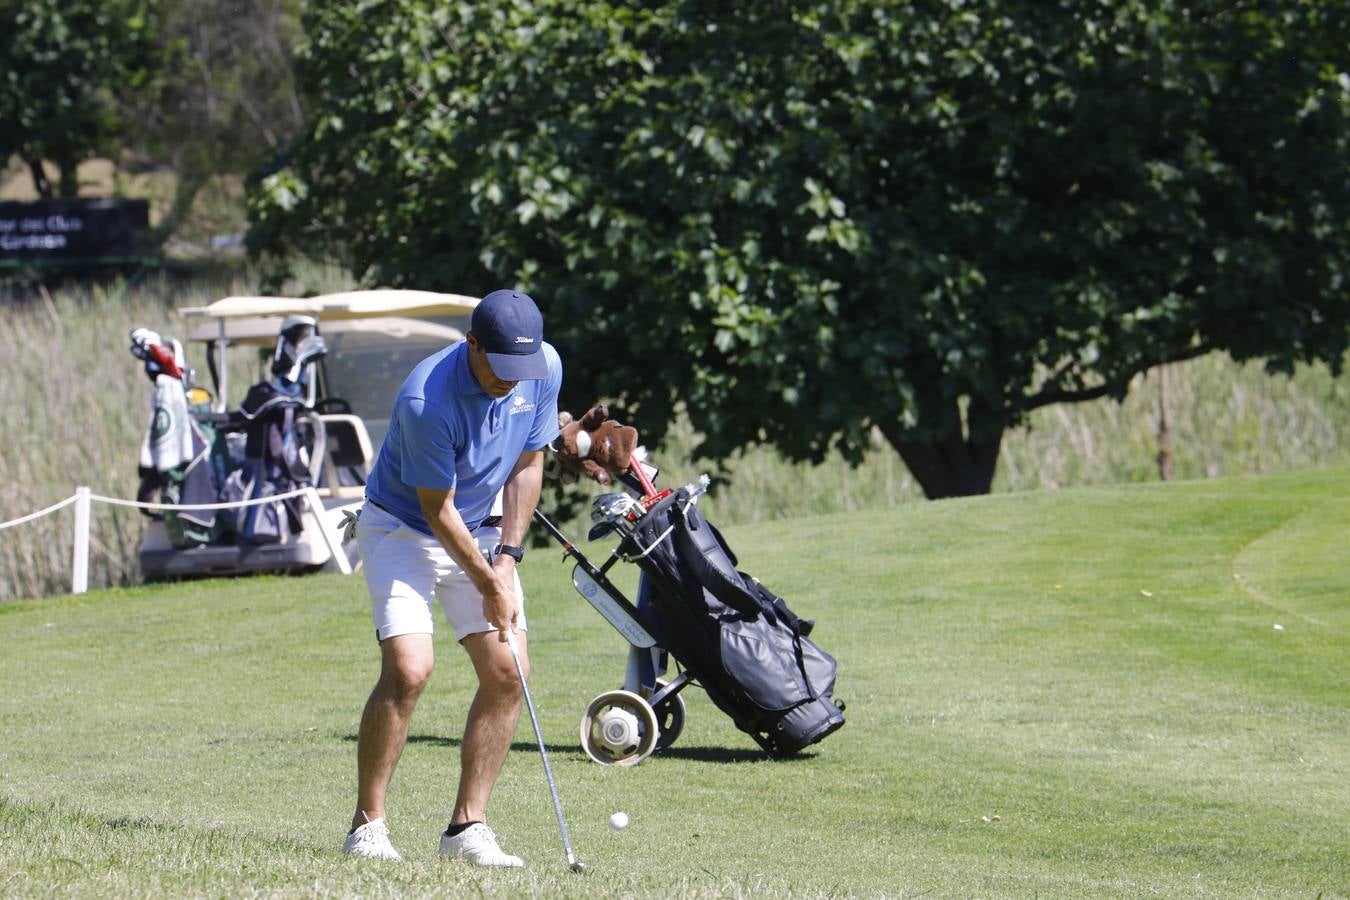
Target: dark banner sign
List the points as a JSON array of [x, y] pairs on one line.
[[69, 230]]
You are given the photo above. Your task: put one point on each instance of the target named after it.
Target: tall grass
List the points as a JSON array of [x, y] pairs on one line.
[[77, 403], [1226, 419]]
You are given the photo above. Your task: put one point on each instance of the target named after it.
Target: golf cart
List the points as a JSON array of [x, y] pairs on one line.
[[367, 343]]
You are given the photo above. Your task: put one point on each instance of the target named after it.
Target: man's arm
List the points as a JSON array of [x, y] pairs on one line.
[[520, 496], [500, 604]]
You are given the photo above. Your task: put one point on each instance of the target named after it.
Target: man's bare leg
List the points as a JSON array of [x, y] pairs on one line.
[[491, 723], [406, 661]]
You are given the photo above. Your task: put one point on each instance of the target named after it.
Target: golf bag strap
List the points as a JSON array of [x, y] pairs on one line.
[[705, 552], [777, 607]]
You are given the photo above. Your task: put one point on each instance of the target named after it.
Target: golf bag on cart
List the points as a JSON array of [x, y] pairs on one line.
[[276, 439], [741, 642], [174, 462]]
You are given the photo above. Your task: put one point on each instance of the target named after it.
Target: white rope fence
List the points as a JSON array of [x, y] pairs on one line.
[[40, 513], [84, 497]]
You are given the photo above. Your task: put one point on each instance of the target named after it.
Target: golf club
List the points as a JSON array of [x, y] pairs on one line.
[[575, 864]]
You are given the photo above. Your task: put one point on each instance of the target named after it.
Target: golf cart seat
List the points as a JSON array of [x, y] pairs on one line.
[[348, 455]]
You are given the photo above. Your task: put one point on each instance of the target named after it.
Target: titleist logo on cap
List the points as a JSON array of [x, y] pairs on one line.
[[510, 329]]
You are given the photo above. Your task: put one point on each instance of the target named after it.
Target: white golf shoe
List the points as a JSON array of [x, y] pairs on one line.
[[371, 841], [478, 845]]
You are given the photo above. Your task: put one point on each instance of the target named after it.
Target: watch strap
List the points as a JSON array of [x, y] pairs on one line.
[[516, 553]]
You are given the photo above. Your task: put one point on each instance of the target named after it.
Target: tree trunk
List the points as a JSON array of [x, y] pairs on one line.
[[40, 182], [184, 196], [1164, 428], [69, 185], [954, 465]]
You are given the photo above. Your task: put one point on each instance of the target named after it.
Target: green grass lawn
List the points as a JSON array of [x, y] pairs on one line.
[[1072, 693]]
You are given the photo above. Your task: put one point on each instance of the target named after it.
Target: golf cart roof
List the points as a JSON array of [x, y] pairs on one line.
[[262, 331], [256, 320], [346, 305]]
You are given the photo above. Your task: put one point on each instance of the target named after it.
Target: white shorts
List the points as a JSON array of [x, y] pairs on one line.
[[405, 568]]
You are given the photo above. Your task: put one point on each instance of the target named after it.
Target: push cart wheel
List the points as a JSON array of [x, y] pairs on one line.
[[618, 729], [669, 718]]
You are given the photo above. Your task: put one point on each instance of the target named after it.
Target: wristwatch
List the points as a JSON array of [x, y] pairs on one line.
[[516, 553]]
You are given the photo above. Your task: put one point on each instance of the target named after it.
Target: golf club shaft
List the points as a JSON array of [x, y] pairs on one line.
[[543, 754]]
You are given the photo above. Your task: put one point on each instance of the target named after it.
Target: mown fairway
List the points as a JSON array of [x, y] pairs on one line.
[[1073, 693]]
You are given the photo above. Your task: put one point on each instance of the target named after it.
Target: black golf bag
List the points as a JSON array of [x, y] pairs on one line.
[[272, 465], [276, 435], [742, 643]]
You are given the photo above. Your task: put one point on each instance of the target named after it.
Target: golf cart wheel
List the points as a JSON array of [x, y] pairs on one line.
[[618, 729], [669, 718]]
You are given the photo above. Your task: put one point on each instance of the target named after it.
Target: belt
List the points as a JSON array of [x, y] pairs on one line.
[[382, 506], [489, 522]]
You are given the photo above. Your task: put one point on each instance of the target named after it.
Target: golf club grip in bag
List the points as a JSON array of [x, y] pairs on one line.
[[736, 637]]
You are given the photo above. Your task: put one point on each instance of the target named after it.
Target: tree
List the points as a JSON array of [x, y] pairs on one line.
[[805, 220], [200, 87], [66, 67], [225, 97]]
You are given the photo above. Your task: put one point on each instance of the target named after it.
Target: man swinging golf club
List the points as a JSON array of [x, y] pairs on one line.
[[468, 424]]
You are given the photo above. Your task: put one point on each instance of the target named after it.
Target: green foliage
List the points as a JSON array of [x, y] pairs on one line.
[[66, 68], [225, 97], [807, 219], [199, 88]]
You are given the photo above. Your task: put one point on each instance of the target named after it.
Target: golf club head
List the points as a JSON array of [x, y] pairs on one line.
[[601, 530], [577, 866], [298, 345], [603, 506], [613, 507], [142, 339]]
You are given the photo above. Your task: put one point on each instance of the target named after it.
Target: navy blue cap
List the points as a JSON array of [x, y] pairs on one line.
[[510, 328]]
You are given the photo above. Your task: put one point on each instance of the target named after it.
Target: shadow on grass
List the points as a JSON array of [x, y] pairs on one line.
[[437, 740], [726, 755], [701, 754]]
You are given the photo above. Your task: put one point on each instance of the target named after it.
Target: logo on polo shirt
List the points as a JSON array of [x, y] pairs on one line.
[[520, 405]]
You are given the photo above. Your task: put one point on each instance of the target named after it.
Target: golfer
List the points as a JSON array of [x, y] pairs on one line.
[[467, 429]]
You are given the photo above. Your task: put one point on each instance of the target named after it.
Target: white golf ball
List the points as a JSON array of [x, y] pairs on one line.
[[618, 820]]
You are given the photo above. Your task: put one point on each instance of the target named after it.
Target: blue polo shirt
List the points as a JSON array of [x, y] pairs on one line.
[[446, 432]]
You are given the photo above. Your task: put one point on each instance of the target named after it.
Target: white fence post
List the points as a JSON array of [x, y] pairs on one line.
[[80, 564], [334, 543]]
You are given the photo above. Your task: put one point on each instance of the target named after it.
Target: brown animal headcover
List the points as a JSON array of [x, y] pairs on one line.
[[595, 446]]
